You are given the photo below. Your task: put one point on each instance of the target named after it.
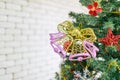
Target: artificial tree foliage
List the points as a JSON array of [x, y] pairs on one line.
[[106, 65]]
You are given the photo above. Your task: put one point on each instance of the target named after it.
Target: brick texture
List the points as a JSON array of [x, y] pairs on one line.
[[25, 52]]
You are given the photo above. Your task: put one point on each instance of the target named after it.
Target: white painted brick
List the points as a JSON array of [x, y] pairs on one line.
[[26, 67], [12, 44], [2, 31], [32, 61], [7, 25], [2, 4], [2, 58], [20, 2], [22, 62], [21, 74], [29, 20], [18, 79], [13, 69], [6, 64], [14, 19], [34, 5], [27, 32], [8, 12], [8, 50], [3, 12], [12, 31], [25, 44], [7, 0], [2, 45], [2, 71], [35, 1], [10, 63], [27, 9], [3, 18], [14, 57], [13, 6], [35, 71], [21, 49], [28, 55], [6, 77], [20, 37], [23, 14], [35, 15], [22, 26], [29, 77], [6, 37]]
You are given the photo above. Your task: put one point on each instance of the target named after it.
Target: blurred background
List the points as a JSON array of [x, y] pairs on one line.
[[25, 52]]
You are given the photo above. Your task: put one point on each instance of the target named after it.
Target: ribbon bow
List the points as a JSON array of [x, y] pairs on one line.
[[83, 34]]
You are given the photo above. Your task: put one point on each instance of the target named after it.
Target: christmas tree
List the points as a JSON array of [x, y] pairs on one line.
[[90, 44]]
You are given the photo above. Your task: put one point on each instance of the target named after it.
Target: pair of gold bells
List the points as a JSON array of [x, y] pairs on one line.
[[76, 36]]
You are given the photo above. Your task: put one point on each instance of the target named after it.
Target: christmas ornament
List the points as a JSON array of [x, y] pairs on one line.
[[110, 39], [76, 36], [70, 39], [92, 49], [93, 9], [75, 43]]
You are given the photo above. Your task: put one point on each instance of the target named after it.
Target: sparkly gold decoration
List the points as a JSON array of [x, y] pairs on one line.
[[119, 68], [65, 27], [76, 36], [65, 78], [114, 63], [83, 34]]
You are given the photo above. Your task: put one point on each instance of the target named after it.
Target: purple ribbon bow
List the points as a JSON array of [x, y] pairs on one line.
[[91, 48], [57, 48]]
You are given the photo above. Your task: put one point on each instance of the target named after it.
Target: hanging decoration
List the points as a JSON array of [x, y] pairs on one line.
[[93, 9], [91, 52], [77, 42], [110, 39]]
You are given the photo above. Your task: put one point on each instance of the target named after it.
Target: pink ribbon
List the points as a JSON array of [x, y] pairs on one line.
[[57, 48], [91, 48], [56, 36], [79, 57]]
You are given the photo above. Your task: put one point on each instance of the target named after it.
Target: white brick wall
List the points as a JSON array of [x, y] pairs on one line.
[[25, 52]]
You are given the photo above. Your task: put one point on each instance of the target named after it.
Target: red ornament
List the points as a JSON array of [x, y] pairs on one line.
[[110, 39], [93, 10], [66, 44]]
